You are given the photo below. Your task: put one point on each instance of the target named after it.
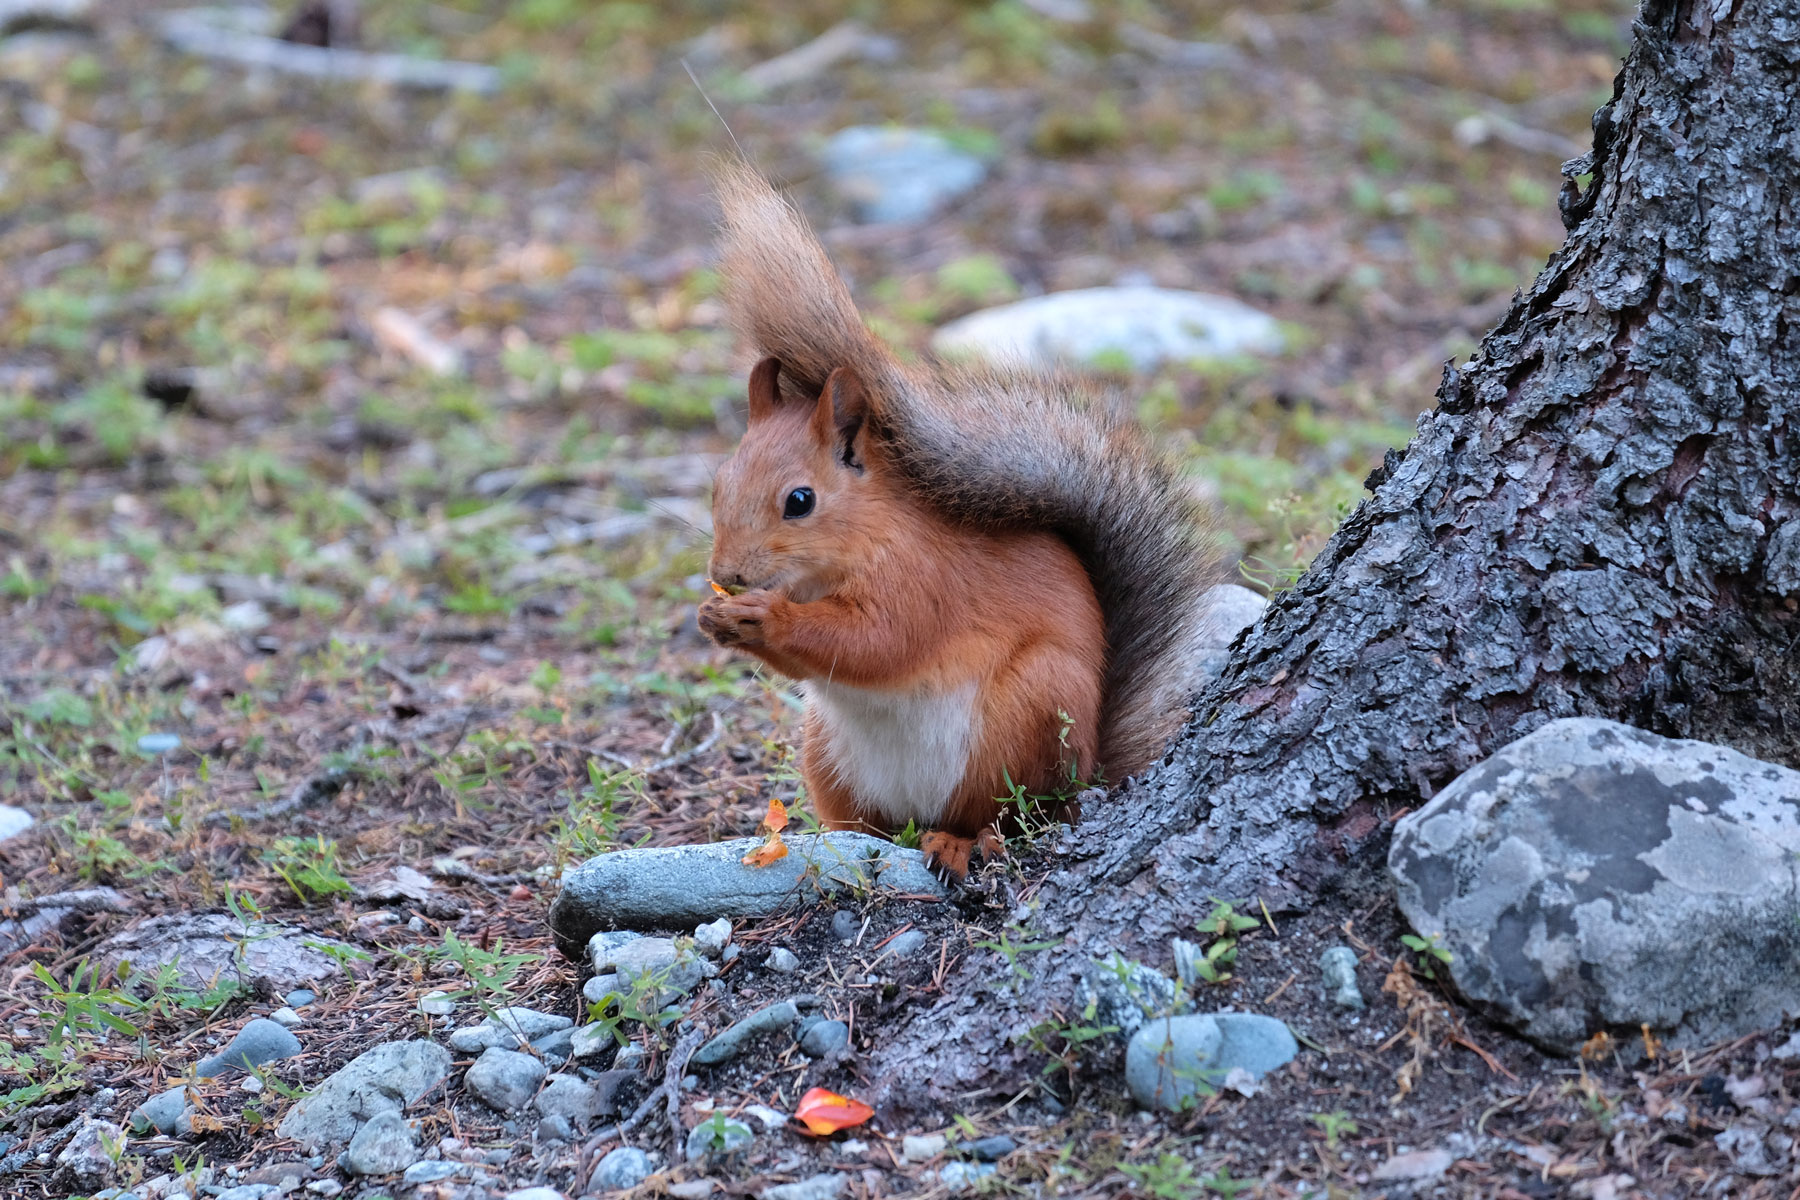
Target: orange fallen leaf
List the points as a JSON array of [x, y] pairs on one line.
[[770, 851], [777, 816], [715, 587], [826, 1112]]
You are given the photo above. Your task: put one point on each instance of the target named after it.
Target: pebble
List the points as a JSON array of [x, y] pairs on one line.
[[679, 970], [768, 1118], [259, 1041], [385, 1144], [1338, 966], [990, 1149], [897, 175], [431, 1171], [437, 1004], [1172, 1060], [555, 1129], [385, 1078], [598, 987], [1146, 325], [845, 925], [631, 1058], [710, 939], [960, 1175], [245, 1191], [591, 1041], [1416, 1165], [782, 961], [823, 1037], [508, 1029], [13, 821], [505, 1079], [570, 1098], [162, 1110], [535, 1193], [922, 1147], [325, 1188], [287, 1018], [726, 1045], [624, 1167], [691, 1189], [246, 616], [556, 1046], [300, 997], [717, 1136], [826, 1186], [1124, 993], [90, 1156], [908, 943]]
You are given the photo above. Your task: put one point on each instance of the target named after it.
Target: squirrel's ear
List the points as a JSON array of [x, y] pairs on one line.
[[765, 389], [842, 415]]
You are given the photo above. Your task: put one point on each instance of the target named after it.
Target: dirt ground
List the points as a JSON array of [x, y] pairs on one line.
[[396, 616]]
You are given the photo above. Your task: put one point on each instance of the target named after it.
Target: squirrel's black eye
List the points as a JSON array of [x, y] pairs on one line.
[[799, 503]]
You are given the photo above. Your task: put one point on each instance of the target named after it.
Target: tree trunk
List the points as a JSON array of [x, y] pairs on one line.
[[1601, 517]]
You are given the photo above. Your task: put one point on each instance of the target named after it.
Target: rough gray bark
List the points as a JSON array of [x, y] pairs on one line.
[[1601, 517]]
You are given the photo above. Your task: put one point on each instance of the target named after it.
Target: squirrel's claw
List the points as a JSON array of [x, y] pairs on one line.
[[949, 856]]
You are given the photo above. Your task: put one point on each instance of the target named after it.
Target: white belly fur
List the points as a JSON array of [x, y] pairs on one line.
[[901, 754]]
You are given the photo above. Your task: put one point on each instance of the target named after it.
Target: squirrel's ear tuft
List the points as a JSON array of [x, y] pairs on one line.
[[842, 415], [765, 389]]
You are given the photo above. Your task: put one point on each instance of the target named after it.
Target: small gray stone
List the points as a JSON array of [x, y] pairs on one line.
[[570, 1098], [726, 1044], [630, 1058], [383, 1146], [1338, 966], [554, 1128], [592, 1041], [1173, 1060], [599, 987], [898, 176], [287, 1018], [1417, 1165], [208, 947], [783, 961], [680, 970], [1147, 325], [92, 1154], [680, 886], [432, 1170], [845, 925], [908, 943], [504, 1079], [13, 822], [386, 1078], [1593, 876], [556, 1046], [717, 1136], [826, 1186], [1124, 993], [244, 1191], [300, 997], [161, 1111], [959, 1176], [822, 1037], [990, 1149], [258, 1042], [535, 1193], [437, 1004], [624, 1167], [922, 1147], [507, 1028], [711, 938]]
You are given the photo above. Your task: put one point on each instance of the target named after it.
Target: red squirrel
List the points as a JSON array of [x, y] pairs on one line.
[[979, 576]]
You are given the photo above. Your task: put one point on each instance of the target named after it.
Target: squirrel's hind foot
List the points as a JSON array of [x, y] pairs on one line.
[[950, 856]]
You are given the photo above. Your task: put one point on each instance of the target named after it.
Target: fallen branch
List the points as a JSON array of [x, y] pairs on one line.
[[242, 37]]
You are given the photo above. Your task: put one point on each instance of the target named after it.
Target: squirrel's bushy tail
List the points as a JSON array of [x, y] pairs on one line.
[[999, 447]]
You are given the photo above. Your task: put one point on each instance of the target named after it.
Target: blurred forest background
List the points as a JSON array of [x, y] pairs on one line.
[[355, 440]]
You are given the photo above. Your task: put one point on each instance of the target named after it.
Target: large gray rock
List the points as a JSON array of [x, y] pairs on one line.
[[1594, 876], [92, 1155], [206, 948], [385, 1079], [898, 176], [1147, 325], [679, 886]]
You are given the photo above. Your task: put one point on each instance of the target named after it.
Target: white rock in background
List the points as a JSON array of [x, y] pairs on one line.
[[13, 821], [1148, 325], [898, 176]]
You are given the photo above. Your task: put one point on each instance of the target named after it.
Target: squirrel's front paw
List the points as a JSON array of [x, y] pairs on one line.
[[736, 620]]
